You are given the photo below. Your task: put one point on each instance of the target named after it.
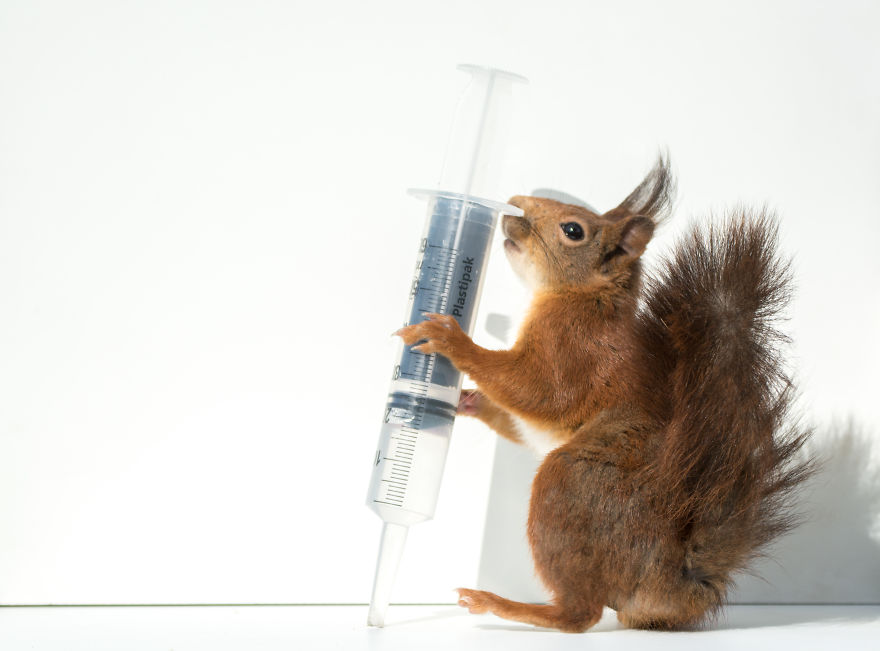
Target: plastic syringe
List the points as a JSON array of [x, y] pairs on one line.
[[452, 257]]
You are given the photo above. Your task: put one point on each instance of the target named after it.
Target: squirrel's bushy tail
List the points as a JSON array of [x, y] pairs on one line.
[[729, 460]]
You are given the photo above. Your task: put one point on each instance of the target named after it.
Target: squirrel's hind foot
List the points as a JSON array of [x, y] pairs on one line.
[[545, 616]]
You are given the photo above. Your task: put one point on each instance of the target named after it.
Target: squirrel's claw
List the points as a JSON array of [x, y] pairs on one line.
[[444, 319]]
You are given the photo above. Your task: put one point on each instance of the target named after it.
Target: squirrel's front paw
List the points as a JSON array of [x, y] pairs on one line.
[[440, 333]]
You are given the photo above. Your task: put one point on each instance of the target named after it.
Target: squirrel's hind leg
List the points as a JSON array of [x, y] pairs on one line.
[[566, 619]]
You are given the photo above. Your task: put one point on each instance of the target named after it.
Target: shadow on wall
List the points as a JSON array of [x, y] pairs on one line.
[[506, 566], [833, 557]]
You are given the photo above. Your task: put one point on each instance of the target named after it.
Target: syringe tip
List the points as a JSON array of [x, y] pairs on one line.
[[376, 616], [390, 551]]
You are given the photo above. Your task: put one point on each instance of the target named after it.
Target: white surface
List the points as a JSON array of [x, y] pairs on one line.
[[205, 242], [314, 628]]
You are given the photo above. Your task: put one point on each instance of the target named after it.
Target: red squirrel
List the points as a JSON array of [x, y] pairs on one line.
[[658, 400]]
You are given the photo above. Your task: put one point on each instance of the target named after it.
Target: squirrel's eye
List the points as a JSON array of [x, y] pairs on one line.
[[573, 231]]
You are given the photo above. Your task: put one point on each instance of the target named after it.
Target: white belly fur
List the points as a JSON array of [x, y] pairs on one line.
[[539, 440]]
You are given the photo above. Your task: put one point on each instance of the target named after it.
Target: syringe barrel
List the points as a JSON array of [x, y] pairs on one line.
[[424, 392], [448, 279]]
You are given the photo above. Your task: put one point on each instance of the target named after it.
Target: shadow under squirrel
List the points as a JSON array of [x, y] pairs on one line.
[[659, 401]]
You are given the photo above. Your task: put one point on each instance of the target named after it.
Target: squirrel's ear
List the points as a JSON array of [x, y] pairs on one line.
[[635, 234], [652, 198]]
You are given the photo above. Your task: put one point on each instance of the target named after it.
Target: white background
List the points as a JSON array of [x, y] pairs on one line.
[[205, 243]]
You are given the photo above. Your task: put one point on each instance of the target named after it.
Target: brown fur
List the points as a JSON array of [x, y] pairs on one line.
[[673, 467]]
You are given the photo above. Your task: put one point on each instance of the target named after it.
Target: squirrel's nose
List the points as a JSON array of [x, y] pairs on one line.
[[515, 228]]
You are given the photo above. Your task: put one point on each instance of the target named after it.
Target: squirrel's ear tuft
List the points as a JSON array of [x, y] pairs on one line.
[[652, 198], [635, 235]]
